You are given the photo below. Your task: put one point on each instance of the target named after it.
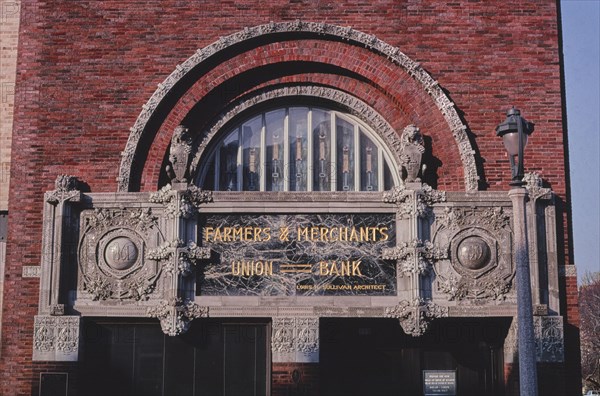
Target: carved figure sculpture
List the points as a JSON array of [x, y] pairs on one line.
[[411, 153], [179, 154]]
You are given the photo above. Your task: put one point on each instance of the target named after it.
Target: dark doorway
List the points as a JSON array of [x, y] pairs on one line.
[[375, 357], [214, 358]]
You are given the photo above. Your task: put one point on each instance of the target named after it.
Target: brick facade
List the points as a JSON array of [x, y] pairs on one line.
[[85, 69]]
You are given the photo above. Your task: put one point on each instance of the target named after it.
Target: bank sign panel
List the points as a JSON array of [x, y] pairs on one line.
[[298, 255]]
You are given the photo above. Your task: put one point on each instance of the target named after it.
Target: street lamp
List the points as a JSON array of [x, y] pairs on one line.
[[514, 131]]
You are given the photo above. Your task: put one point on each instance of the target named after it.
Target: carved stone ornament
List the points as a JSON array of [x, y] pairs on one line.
[[111, 254], [416, 257], [415, 316], [175, 315], [294, 336], [494, 218], [56, 338], [480, 264], [177, 257], [179, 154], [414, 202], [549, 338], [314, 30], [534, 186], [411, 152], [65, 190], [184, 203]]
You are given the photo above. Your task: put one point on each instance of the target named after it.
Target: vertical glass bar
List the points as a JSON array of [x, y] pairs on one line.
[[228, 162], [357, 163], [274, 175], [298, 147], [345, 155], [286, 151], [251, 139], [321, 136], [369, 164], [387, 176]]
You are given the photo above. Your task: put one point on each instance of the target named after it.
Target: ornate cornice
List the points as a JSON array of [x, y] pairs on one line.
[[319, 31], [176, 314]]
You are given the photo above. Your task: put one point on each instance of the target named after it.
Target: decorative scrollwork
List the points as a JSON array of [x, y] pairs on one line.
[[184, 203], [178, 258], [65, 190], [415, 316], [175, 314]]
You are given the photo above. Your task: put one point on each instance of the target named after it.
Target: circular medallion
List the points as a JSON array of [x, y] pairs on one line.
[[473, 253], [121, 253]]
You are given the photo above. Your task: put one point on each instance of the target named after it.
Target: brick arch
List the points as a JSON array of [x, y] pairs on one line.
[[144, 129]]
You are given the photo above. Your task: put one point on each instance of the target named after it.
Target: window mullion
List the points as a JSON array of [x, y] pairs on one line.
[[309, 152], [240, 161], [333, 162], [262, 169], [380, 170], [286, 150], [357, 163]]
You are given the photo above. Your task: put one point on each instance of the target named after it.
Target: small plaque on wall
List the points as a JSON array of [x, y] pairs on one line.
[[439, 382]]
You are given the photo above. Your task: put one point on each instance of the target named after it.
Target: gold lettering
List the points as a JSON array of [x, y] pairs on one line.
[[353, 235], [314, 233], [356, 268], [383, 233], [207, 232], [235, 268], [302, 233], [227, 234], [346, 267], [325, 234], [267, 232], [364, 234], [237, 234], [323, 270]]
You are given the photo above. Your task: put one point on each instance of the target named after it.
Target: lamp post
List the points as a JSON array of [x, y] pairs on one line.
[[514, 132]]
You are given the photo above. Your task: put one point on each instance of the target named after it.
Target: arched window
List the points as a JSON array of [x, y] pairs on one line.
[[299, 149]]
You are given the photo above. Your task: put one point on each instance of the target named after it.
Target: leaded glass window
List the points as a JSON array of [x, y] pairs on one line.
[[299, 149]]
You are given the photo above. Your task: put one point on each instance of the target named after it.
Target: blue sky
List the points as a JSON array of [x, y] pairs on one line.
[[581, 48]]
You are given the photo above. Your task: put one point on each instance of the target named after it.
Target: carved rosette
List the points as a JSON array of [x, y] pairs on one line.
[[55, 338], [415, 316], [111, 254], [177, 257], [65, 190], [414, 202], [479, 266], [416, 257], [184, 204], [176, 314]]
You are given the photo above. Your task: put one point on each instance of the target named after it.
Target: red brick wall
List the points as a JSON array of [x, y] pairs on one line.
[[86, 68], [304, 382]]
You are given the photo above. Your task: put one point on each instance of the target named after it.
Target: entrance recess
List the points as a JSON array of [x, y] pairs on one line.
[[212, 358], [375, 357]]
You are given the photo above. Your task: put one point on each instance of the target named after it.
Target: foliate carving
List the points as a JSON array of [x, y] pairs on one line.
[[178, 258], [176, 314], [415, 316], [282, 339], [456, 218], [319, 30], [179, 154], [65, 190], [184, 203], [411, 152], [111, 254], [415, 257], [56, 338], [534, 186], [291, 335], [420, 205], [549, 338], [494, 287]]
